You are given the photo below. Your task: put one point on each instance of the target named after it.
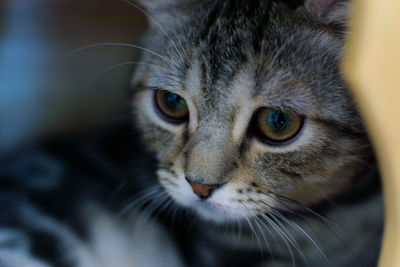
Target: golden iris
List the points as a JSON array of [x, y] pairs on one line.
[[172, 105], [278, 124]]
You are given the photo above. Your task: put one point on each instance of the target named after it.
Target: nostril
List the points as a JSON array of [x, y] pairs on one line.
[[202, 190]]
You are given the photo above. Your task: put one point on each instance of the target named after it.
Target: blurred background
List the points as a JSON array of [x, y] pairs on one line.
[[43, 90]]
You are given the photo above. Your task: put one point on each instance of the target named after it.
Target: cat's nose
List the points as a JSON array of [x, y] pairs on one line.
[[202, 190]]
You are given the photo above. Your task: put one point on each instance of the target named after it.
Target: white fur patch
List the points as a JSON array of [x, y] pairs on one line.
[[12, 258], [242, 86], [14, 250], [141, 242], [193, 86], [156, 4]]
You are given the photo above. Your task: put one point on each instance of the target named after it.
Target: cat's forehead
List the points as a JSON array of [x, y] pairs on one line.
[[225, 60], [277, 77], [242, 87]]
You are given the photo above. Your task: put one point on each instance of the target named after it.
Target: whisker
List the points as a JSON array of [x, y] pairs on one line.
[[239, 232], [158, 25], [154, 204], [290, 211], [283, 237], [118, 66], [173, 215], [115, 194], [272, 235], [304, 206], [263, 235], [78, 50], [161, 201], [164, 207], [369, 165], [296, 226], [328, 224], [141, 198], [169, 211], [290, 237], [253, 231]]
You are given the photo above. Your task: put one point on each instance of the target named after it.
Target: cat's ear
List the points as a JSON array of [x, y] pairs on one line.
[[329, 11]]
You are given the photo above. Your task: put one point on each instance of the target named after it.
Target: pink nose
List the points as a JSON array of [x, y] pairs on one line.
[[202, 190]]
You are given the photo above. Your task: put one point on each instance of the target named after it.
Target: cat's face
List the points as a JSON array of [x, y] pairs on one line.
[[244, 104]]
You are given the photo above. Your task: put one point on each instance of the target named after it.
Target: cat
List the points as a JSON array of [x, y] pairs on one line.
[[254, 153], [250, 118]]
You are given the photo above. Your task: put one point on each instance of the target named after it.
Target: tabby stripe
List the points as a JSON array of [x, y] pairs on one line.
[[211, 19], [291, 174]]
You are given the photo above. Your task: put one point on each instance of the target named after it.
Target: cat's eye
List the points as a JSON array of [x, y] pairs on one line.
[[172, 106], [278, 125]]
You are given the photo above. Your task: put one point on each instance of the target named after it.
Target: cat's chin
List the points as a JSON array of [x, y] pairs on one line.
[[214, 212]]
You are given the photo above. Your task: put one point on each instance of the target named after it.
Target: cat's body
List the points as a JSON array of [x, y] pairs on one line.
[[87, 229], [255, 135]]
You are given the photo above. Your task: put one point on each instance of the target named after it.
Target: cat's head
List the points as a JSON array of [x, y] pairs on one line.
[[243, 103]]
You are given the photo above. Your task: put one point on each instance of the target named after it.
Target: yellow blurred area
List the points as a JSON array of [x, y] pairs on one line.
[[372, 66]]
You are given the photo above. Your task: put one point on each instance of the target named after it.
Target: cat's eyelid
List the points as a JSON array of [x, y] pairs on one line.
[[299, 102], [285, 107], [154, 88], [172, 89], [179, 91]]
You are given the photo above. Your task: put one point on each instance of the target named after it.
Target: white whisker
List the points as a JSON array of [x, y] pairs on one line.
[[296, 226], [119, 65], [154, 204], [158, 25], [332, 227], [239, 232], [140, 199], [283, 236], [253, 231], [289, 236], [263, 235], [73, 52]]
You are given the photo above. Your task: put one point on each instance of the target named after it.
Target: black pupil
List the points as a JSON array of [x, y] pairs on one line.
[[278, 120], [174, 101]]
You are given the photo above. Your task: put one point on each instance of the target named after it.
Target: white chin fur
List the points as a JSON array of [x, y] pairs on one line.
[[214, 212]]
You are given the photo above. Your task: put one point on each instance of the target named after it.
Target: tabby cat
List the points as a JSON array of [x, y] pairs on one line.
[[261, 158]]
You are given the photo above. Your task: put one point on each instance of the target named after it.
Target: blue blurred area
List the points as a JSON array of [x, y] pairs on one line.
[[40, 94], [22, 52]]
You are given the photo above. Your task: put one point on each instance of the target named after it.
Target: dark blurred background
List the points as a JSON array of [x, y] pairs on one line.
[[44, 92]]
